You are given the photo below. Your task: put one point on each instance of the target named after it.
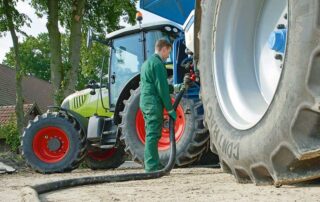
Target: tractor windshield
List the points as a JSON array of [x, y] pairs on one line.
[[153, 36]]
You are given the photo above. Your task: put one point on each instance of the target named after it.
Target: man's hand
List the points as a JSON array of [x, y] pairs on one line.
[[173, 114], [187, 82], [177, 87]]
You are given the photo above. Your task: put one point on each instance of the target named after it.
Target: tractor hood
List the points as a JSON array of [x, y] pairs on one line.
[[86, 104], [174, 10]]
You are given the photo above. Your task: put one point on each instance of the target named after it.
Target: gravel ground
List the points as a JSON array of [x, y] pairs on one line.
[[189, 184]]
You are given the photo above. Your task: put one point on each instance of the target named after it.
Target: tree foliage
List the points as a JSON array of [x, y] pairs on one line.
[[91, 63], [105, 15], [35, 54], [102, 15], [76, 16], [11, 20], [19, 19]]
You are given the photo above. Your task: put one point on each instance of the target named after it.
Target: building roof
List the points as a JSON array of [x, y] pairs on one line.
[[34, 90], [8, 112]]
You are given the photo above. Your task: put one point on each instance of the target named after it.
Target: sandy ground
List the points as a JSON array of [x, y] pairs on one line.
[[189, 184]]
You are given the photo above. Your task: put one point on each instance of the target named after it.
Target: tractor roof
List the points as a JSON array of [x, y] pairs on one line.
[[144, 27]]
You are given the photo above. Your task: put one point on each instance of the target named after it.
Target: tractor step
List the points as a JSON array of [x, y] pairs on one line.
[[103, 146], [109, 137], [101, 129], [107, 133]]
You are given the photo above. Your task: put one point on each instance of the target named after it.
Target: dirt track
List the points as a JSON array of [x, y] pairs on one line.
[[191, 184]]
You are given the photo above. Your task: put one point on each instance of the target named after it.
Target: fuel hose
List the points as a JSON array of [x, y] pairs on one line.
[[36, 190]]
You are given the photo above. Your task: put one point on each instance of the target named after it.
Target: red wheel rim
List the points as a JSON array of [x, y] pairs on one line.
[[164, 142], [102, 154], [45, 137]]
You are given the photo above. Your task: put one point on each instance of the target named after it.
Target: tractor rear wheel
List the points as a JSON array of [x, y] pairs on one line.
[[105, 158], [53, 142], [191, 135], [259, 68]]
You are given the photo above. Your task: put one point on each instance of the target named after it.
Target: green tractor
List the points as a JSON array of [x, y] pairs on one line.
[[103, 122]]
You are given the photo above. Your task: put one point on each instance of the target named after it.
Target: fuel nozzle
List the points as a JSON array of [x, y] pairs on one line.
[[188, 80]]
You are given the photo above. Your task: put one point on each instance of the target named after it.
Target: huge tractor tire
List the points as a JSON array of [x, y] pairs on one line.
[[53, 142], [105, 158], [191, 135], [261, 105]]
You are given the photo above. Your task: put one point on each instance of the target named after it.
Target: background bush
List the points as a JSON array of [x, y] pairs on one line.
[[10, 132]]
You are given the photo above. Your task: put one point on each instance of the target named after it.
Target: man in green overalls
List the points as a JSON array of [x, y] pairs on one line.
[[154, 98]]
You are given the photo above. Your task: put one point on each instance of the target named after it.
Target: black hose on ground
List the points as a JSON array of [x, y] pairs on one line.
[[63, 184]]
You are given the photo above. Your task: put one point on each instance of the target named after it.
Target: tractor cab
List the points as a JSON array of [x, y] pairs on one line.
[[129, 48]]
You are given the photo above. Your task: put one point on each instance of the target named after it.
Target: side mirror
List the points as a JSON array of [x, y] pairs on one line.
[[93, 92], [92, 36], [91, 84], [89, 38]]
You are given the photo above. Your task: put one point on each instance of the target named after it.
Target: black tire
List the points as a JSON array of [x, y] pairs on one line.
[[191, 145], [101, 158], [70, 127], [284, 146], [207, 158]]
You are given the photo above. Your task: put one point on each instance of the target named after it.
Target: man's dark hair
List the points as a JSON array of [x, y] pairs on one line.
[[162, 43]]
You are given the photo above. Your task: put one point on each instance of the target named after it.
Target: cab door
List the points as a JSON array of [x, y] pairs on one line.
[[127, 58]]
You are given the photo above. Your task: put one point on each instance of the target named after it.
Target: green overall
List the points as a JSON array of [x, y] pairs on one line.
[[154, 98]]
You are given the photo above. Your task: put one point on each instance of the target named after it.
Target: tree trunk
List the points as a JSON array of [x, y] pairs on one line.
[[55, 50], [75, 45], [19, 98]]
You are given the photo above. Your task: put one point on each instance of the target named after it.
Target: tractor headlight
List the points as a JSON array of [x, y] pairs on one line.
[[65, 104]]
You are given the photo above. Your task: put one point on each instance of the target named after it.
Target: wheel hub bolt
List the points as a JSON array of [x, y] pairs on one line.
[[166, 124], [281, 26], [277, 40], [278, 57]]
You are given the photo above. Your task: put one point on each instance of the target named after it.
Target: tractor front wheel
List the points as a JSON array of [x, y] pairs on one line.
[[53, 142]]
